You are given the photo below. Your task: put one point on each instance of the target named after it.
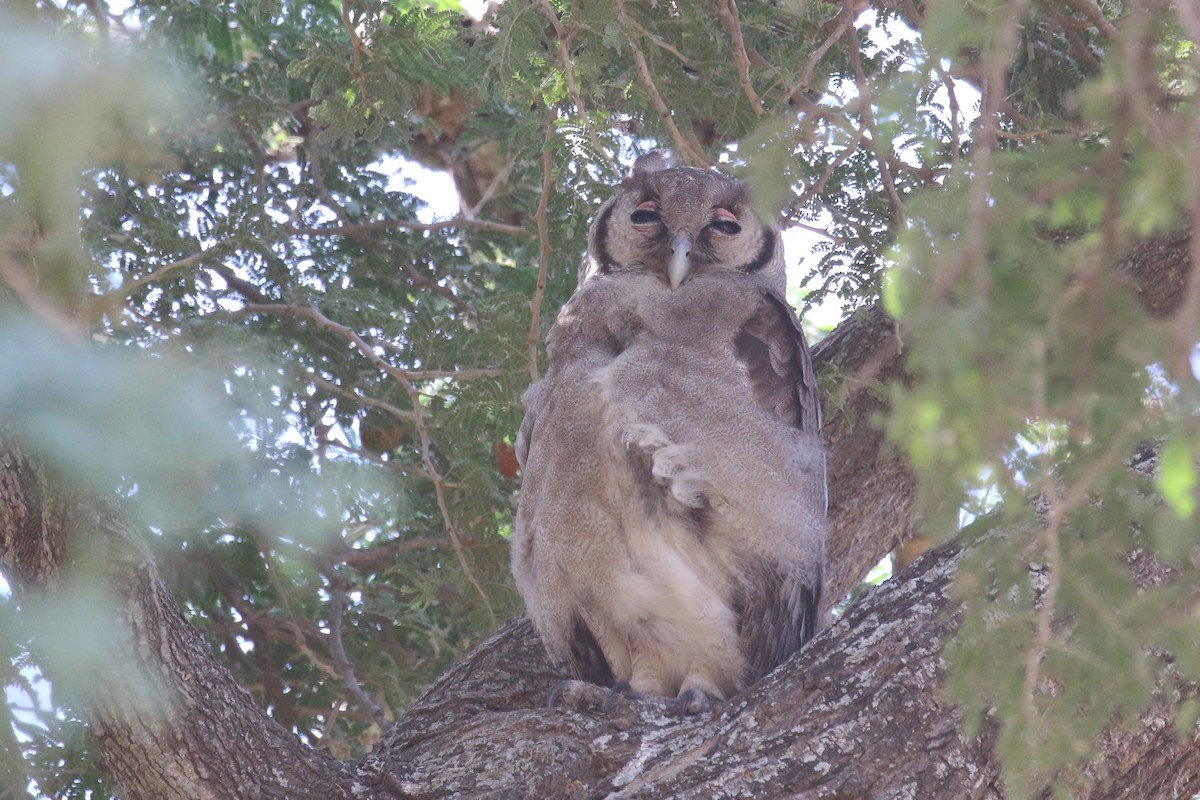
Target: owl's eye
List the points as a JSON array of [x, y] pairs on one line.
[[645, 214], [724, 222]]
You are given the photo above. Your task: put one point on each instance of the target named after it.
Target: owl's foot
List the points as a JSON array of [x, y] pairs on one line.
[[673, 467], [573, 694], [622, 689], [695, 701], [670, 464], [585, 696]]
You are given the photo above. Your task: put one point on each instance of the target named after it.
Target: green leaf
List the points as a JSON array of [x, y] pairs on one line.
[[1177, 478]]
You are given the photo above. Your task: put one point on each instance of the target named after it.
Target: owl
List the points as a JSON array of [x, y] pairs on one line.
[[670, 534]]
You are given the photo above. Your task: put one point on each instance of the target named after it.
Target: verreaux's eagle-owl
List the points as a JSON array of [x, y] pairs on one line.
[[671, 529]]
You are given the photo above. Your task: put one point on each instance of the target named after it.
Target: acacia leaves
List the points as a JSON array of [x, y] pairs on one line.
[[1041, 376]]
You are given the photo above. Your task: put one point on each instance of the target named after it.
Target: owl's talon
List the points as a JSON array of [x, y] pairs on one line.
[[584, 696], [558, 690], [621, 690], [694, 701]]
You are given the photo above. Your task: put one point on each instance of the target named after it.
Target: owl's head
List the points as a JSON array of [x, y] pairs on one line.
[[679, 222]]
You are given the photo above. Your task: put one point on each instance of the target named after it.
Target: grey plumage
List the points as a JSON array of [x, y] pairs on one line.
[[671, 529]]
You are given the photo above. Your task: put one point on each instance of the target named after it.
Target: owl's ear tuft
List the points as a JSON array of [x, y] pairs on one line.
[[653, 161]]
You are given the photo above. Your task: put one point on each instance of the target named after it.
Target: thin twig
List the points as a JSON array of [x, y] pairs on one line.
[[947, 81], [495, 183], [341, 391], [955, 114], [866, 98], [789, 222], [688, 151], [243, 287], [817, 188], [658, 41], [845, 19], [362, 234], [1059, 505], [541, 216], [361, 231], [563, 37], [458, 221], [182, 263], [428, 374], [150, 322], [439, 494], [727, 12], [357, 48], [360, 344], [337, 603], [383, 555], [312, 148], [973, 253], [1051, 549], [1095, 16]]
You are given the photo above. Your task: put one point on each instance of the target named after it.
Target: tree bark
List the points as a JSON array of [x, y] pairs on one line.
[[858, 713], [871, 487]]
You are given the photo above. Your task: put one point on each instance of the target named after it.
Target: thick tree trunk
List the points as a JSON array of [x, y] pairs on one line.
[[871, 488], [167, 719], [857, 714]]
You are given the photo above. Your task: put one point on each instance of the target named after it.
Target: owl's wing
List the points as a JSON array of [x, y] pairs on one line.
[[771, 347], [777, 607], [532, 401], [777, 613]]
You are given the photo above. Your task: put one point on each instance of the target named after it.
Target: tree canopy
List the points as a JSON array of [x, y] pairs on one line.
[[235, 314]]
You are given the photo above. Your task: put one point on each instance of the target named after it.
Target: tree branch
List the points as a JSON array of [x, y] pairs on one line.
[[727, 12], [685, 147], [563, 38], [458, 221], [867, 690], [845, 19], [337, 609]]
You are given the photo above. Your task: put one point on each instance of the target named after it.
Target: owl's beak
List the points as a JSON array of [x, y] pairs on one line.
[[678, 266]]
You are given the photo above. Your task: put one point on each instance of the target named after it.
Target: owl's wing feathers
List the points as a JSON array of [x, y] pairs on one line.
[[776, 604], [772, 348], [777, 612], [525, 432]]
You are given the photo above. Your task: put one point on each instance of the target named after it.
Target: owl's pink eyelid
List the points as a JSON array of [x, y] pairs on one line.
[[649, 205], [724, 213]]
